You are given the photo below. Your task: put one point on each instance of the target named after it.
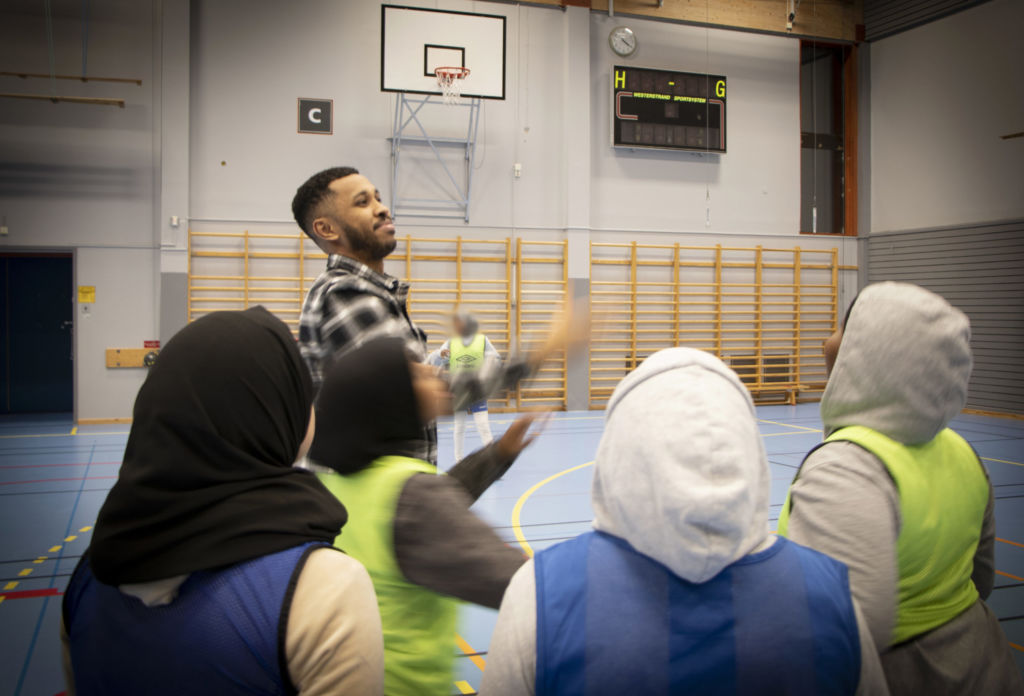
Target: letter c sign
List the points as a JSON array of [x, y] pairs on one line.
[[315, 116]]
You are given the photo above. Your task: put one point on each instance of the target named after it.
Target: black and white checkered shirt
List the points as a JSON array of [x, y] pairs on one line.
[[350, 304]]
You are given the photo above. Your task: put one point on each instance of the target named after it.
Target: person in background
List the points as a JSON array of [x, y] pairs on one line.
[[681, 588], [902, 499], [211, 569], [467, 351], [411, 528], [354, 301]]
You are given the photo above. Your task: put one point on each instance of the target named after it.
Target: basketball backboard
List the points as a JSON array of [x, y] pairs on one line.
[[415, 41]]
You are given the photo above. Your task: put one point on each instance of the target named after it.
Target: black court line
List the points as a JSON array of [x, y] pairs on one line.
[[33, 560], [36, 577], [69, 490]]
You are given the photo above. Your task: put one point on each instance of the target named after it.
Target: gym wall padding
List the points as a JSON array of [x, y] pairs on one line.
[[765, 311], [513, 286], [980, 269]]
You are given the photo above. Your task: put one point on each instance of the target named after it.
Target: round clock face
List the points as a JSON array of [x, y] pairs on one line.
[[623, 41]]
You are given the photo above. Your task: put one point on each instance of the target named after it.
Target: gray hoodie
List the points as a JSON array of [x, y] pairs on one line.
[[681, 474], [902, 369]]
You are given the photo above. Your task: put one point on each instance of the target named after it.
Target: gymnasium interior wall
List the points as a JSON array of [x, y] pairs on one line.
[[234, 162], [84, 178], [947, 191]]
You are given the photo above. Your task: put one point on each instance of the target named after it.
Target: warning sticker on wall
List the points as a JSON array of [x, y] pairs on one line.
[[86, 294]]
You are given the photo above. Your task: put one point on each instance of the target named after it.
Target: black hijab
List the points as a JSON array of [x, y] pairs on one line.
[[367, 408], [207, 478]]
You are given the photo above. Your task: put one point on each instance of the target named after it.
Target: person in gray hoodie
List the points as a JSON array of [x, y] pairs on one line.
[[681, 587], [903, 500]]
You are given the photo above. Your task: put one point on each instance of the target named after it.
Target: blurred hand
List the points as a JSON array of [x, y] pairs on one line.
[[570, 331], [432, 395], [518, 436]]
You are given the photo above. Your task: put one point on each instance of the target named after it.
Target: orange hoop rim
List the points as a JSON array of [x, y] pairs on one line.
[[452, 72]]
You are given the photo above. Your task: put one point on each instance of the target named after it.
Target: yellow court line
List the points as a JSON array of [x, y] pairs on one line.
[[24, 572], [74, 429], [518, 509], [71, 538], [11, 585], [55, 549], [75, 434], [466, 648], [1009, 575], [790, 425], [464, 687], [1002, 461], [1007, 541], [85, 529], [1017, 647]]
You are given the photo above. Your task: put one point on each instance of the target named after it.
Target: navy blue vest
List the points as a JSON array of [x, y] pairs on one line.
[[223, 634], [613, 621]]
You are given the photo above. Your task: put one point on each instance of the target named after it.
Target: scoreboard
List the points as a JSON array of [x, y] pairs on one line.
[[668, 110]]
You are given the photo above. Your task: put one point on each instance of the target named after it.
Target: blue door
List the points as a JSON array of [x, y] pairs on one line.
[[35, 333]]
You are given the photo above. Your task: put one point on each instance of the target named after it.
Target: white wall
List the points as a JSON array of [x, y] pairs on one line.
[[110, 178], [248, 69], [941, 95], [754, 187], [82, 177]]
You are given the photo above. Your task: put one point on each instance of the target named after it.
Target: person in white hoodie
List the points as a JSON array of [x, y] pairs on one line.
[[681, 587], [902, 499]]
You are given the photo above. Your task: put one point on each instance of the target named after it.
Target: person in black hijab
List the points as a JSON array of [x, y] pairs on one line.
[[210, 569], [411, 528]]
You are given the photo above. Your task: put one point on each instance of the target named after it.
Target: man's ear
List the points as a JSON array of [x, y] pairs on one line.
[[323, 229]]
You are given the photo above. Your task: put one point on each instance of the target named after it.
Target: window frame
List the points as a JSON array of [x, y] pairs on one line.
[[848, 72]]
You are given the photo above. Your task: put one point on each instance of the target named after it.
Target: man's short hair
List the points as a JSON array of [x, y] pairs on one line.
[[309, 196]]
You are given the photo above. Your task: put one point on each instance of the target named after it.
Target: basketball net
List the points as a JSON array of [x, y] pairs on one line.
[[449, 80]]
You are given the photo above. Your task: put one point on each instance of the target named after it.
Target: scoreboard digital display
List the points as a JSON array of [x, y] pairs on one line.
[[668, 110]]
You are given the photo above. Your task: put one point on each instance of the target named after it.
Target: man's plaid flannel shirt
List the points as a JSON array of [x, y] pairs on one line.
[[350, 304]]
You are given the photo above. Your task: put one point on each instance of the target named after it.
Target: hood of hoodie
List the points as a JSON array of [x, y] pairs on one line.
[[681, 472], [903, 364]]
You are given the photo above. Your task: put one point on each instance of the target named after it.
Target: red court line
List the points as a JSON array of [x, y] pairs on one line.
[[1007, 541], [34, 466], [28, 594], [1017, 647], [73, 478], [1009, 575]]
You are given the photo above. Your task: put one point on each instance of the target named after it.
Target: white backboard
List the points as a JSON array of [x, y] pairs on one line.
[[415, 40]]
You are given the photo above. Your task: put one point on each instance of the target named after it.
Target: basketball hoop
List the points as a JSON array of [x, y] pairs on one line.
[[449, 80]]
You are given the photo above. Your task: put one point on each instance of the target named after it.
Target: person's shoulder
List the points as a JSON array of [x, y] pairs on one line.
[[330, 562], [433, 490], [847, 474], [842, 456]]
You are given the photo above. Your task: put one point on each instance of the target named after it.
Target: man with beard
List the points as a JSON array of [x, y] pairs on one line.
[[355, 301]]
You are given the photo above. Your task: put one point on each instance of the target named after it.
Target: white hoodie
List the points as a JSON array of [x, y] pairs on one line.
[[681, 474]]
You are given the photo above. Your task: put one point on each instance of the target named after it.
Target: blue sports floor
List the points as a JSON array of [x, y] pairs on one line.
[[53, 479]]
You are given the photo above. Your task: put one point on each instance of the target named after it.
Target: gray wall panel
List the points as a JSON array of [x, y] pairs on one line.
[[979, 269], [887, 17]]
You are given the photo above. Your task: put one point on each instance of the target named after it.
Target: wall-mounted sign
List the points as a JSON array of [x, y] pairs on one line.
[[86, 294], [316, 116]]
